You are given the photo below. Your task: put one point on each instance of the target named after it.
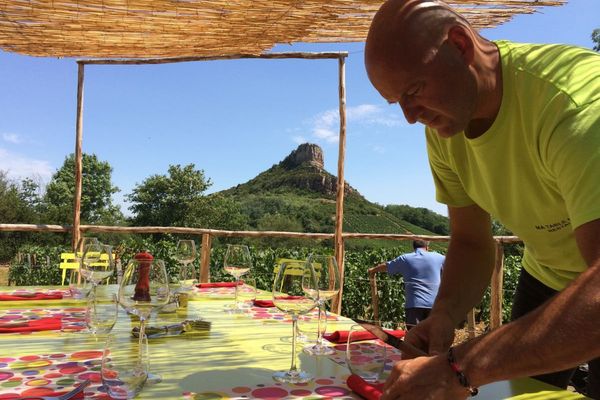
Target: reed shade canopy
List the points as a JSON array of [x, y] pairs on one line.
[[180, 28]]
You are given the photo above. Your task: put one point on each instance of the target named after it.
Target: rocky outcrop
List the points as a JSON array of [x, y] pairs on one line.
[[306, 154]]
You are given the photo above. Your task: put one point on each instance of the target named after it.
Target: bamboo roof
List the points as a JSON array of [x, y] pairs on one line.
[[176, 28]]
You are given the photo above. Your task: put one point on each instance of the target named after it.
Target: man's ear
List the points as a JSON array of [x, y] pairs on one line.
[[462, 40]]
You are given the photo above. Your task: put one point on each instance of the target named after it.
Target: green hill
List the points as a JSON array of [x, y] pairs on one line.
[[298, 195]]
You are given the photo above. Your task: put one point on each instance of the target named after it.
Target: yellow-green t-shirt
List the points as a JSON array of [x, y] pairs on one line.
[[537, 169]]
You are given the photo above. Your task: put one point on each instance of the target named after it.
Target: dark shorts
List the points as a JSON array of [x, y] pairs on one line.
[[529, 295], [415, 315]]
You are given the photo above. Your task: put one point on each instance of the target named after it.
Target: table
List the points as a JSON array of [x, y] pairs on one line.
[[235, 359]]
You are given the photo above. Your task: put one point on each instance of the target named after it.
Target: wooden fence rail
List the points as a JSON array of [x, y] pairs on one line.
[[206, 235]]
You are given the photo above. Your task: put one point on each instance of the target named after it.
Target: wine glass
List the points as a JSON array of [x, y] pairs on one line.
[[145, 287], [365, 358], [97, 263], [186, 254], [81, 245], [84, 241], [124, 367], [289, 288], [237, 262], [328, 283], [100, 317]]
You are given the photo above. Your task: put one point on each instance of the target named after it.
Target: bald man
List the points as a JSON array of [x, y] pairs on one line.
[[513, 131]]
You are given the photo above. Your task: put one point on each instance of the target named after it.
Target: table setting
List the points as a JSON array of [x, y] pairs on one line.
[[120, 344]]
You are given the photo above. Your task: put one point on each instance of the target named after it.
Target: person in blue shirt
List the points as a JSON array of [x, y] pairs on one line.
[[421, 271]]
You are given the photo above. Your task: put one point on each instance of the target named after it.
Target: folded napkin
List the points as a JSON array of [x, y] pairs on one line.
[[269, 303], [31, 296], [42, 324], [363, 388], [217, 284], [340, 337], [263, 303]]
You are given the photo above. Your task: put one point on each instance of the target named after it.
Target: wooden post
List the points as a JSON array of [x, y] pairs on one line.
[[471, 323], [496, 289], [374, 296], [78, 158], [339, 204], [205, 258]]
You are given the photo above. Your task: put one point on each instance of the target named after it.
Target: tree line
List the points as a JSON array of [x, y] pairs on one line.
[[177, 198]]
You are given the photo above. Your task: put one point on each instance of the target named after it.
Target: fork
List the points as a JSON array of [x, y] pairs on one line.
[[65, 396]]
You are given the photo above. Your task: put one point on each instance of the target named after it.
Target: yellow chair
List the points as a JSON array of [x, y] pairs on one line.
[[297, 264], [68, 261]]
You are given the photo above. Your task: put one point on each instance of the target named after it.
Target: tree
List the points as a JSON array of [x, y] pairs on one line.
[[596, 39], [30, 194], [178, 199], [14, 209], [420, 216], [96, 196]]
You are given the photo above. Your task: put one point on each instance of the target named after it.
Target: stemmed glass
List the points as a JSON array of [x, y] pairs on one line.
[[289, 287], [124, 368], [186, 254], [97, 263], [328, 283], [145, 287], [237, 262], [101, 317], [83, 242]]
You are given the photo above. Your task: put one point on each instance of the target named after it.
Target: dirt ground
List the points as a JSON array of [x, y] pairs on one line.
[[462, 335]]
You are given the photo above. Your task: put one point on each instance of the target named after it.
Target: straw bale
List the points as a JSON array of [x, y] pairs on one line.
[[203, 28]]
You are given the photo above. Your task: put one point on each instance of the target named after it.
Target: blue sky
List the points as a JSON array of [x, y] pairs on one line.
[[234, 119]]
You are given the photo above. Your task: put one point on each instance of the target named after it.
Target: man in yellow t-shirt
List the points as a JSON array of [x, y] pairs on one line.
[[513, 131]]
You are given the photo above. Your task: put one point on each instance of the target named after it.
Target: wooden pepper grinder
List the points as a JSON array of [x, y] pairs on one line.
[[142, 287]]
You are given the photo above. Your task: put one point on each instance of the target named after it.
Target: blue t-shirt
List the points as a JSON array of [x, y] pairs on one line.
[[421, 271]]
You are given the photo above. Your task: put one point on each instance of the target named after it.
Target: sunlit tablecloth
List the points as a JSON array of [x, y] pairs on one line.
[[234, 360]]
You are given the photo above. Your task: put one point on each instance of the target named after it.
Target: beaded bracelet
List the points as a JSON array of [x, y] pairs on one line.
[[461, 376]]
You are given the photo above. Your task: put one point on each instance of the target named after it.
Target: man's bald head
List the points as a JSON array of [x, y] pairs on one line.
[[408, 30]]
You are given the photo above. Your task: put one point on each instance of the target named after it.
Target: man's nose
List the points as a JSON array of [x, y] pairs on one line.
[[411, 111]]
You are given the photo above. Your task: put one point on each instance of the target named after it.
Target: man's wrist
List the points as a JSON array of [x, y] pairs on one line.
[[459, 372]]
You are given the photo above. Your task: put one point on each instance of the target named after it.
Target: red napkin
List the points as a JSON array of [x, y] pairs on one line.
[[269, 303], [42, 324], [217, 284], [31, 296], [341, 337], [263, 303], [366, 390]]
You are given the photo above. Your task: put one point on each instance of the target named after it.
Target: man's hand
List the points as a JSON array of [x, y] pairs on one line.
[[422, 378], [434, 335]]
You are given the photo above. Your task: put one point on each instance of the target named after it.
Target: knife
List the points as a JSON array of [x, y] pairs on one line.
[[14, 324], [392, 340]]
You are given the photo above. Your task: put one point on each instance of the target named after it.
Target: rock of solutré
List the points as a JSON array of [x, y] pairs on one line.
[[306, 153]]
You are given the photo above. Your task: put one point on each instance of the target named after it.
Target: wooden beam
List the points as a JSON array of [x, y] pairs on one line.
[[339, 202], [34, 228], [169, 60], [78, 158], [200, 231]]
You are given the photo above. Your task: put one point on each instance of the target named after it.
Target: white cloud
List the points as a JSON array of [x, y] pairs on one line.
[[325, 134], [370, 114], [325, 126], [378, 149], [11, 138], [19, 167]]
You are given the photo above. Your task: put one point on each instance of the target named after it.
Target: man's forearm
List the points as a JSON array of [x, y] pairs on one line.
[[560, 334]]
